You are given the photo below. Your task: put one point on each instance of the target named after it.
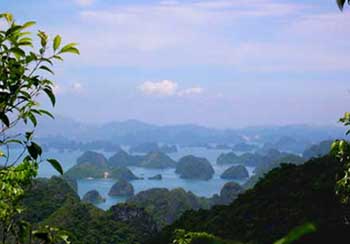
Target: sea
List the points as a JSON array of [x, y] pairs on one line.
[[170, 179]]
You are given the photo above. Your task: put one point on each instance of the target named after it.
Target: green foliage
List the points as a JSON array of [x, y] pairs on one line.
[[183, 237], [341, 150], [49, 234], [11, 185], [23, 78], [288, 196], [297, 233], [164, 205], [88, 224], [44, 196], [52, 202]]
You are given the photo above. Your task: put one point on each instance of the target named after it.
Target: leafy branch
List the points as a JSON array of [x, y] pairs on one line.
[[25, 72]]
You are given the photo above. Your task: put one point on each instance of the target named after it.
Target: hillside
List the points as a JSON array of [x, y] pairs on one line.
[[286, 197], [53, 202]]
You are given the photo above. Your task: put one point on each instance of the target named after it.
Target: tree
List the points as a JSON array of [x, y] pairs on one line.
[[24, 71], [341, 150]]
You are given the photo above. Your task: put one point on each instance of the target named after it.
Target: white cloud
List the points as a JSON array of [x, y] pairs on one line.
[[254, 35], [144, 35], [163, 88], [71, 88], [76, 87], [167, 88]]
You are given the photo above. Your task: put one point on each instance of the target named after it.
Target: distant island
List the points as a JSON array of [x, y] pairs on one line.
[[191, 167], [95, 165]]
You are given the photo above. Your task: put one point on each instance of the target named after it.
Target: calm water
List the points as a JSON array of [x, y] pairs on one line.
[[170, 179]]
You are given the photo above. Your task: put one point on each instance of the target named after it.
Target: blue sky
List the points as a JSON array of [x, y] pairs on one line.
[[220, 63]]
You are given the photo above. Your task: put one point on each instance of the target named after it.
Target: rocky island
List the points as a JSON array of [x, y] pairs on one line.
[[191, 167], [237, 172], [227, 158], [93, 197], [123, 159], [121, 188], [157, 160], [95, 165]]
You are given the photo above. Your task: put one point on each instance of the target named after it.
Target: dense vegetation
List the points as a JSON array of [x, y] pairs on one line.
[[286, 197], [167, 205], [53, 202]]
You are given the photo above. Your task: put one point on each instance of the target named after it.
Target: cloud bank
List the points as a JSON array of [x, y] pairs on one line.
[[167, 88], [250, 35]]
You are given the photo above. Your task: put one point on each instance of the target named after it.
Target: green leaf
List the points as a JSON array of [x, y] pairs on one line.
[[43, 67], [34, 150], [57, 166], [28, 24], [42, 111], [56, 42], [5, 119], [7, 16], [341, 4], [17, 52], [46, 60], [28, 135], [58, 57], [33, 119], [14, 141], [43, 38], [50, 94], [70, 48], [335, 148], [297, 233], [26, 41]]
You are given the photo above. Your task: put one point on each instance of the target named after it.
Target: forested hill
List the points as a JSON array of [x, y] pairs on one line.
[[285, 198], [54, 202]]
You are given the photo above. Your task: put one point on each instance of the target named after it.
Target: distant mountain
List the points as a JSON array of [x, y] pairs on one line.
[[133, 132], [302, 133]]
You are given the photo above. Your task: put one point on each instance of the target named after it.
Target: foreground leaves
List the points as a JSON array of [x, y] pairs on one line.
[[297, 233], [23, 71]]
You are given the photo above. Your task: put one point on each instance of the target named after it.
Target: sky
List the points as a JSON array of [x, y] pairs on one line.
[[218, 63]]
